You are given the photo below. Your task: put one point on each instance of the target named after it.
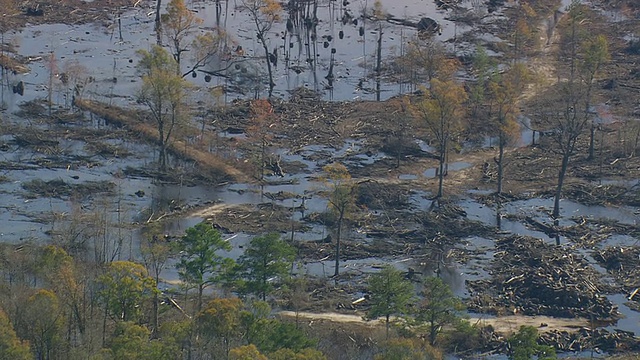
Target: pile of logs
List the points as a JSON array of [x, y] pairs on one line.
[[532, 277], [583, 339], [624, 263]]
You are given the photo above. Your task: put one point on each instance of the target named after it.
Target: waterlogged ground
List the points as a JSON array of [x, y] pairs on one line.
[[134, 199], [109, 57]]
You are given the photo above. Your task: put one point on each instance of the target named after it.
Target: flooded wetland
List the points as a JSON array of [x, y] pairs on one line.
[[79, 154]]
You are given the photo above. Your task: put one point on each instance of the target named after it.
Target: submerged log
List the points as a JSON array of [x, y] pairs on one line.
[[425, 25]]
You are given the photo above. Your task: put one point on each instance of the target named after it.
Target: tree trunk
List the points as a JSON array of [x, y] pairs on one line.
[[500, 163], [154, 319], [337, 268], [561, 176], [266, 54], [158, 23], [200, 291], [441, 169], [379, 62], [263, 291], [163, 150], [433, 329], [387, 326], [592, 135]]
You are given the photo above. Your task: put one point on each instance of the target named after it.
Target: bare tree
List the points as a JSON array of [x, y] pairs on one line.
[[341, 192], [264, 14]]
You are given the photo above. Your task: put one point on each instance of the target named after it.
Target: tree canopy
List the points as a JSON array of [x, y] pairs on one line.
[[390, 294], [200, 263], [266, 260]]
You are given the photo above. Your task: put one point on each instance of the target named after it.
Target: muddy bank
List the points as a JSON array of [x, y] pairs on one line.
[[140, 125]]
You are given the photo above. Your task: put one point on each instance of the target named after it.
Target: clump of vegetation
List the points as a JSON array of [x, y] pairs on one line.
[[524, 346], [58, 188]]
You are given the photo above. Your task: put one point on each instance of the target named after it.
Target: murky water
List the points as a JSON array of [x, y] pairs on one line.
[[109, 57], [111, 63]]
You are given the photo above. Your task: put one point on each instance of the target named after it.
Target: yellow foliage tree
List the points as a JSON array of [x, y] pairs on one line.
[[220, 319], [43, 322], [11, 347], [304, 354], [179, 22], [504, 91], [247, 352], [163, 91], [441, 113]]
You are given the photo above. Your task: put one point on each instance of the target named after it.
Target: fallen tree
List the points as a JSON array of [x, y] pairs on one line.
[[130, 119]]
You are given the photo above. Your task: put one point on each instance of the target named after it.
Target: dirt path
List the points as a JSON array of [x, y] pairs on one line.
[[504, 324]]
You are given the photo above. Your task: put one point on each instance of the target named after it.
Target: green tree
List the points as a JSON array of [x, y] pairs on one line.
[[11, 347], [483, 70], [131, 341], [179, 333], [341, 193], [264, 14], [274, 335], [304, 354], [200, 265], [438, 307], [267, 257], [440, 112], [255, 313], [270, 335], [390, 294], [163, 92], [124, 288], [524, 346]]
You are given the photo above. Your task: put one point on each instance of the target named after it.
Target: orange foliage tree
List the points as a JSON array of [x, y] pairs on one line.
[[263, 119]]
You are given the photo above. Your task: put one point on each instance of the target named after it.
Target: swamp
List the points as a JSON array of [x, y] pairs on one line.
[[491, 144]]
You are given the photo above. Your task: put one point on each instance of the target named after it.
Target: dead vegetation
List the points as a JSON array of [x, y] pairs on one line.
[[59, 188], [624, 264], [211, 165], [532, 277]]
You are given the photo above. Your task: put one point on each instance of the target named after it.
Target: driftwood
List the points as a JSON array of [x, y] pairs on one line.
[[624, 264], [533, 277]]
